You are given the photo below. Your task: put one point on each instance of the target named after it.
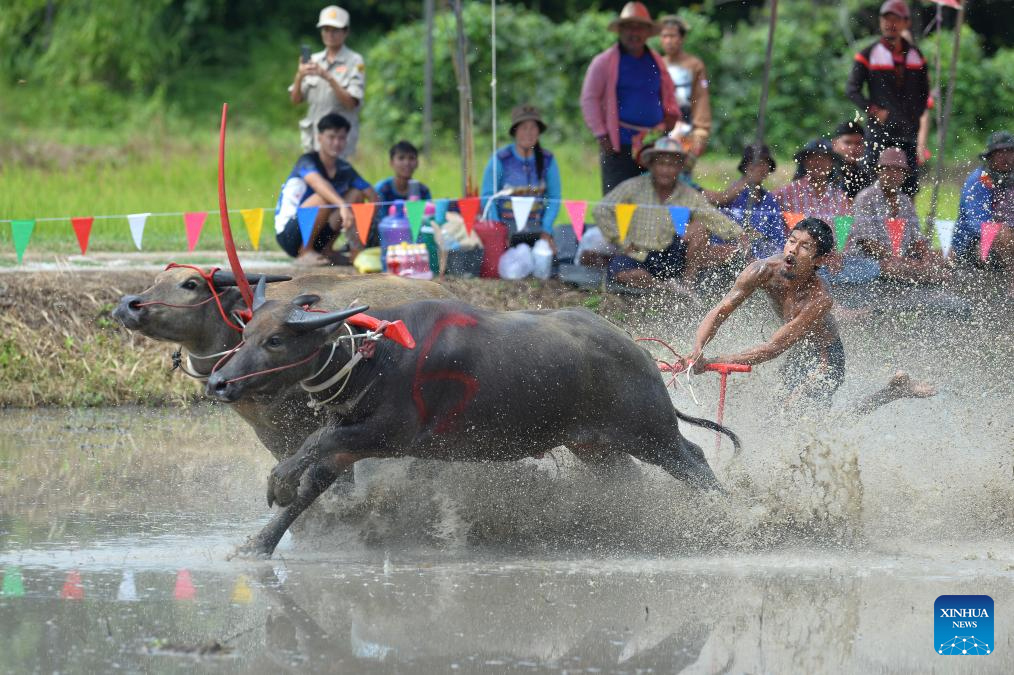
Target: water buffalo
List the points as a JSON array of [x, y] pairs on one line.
[[181, 307], [479, 386]]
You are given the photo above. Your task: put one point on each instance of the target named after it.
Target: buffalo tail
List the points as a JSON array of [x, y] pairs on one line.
[[713, 426]]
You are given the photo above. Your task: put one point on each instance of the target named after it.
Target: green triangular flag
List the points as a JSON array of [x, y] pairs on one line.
[[842, 227], [14, 586], [414, 210], [21, 233]]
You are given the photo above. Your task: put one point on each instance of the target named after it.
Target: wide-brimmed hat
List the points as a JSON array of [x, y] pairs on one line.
[[665, 145], [634, 12], [523, 113], [673, 19], [893, 157], [998, 140], [818, 146], [333, 16], [756, 153], [899, 7]]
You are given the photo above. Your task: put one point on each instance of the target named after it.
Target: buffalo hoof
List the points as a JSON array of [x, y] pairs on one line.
[[283, 483], [253, 549]]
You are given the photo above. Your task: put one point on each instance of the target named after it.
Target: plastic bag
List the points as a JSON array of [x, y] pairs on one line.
[[542, 259], [516, 263], [595, 242]]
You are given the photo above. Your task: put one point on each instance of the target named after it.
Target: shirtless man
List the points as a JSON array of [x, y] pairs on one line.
[[800, 298]]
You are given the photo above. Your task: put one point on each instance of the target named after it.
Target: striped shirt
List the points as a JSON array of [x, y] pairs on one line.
[[799, 197]]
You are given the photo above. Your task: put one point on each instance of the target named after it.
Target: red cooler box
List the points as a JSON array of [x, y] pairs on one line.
[[493, 235]]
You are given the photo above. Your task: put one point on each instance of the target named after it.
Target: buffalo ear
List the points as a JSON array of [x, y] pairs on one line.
[[303, 322], [306, 299], [259, 297]]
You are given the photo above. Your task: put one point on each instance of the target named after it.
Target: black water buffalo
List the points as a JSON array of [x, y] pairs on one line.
[[478, 386], [181, 308]]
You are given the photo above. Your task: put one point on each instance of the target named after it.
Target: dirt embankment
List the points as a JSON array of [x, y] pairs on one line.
[[59, 344]]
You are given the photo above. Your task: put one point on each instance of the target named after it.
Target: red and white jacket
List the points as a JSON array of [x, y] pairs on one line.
[[897, 81]]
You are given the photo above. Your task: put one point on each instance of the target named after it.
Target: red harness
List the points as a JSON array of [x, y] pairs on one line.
[[208, 277]]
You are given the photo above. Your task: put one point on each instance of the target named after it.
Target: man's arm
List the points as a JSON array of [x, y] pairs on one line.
[[792, 332], [748, 281], [854, 88]]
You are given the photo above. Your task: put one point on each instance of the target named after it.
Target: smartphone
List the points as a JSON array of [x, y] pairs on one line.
[[304, 53]]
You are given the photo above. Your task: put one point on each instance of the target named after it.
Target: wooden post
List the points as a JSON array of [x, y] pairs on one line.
[[763, 106], [428, 81], [942, 129], [464, 104]]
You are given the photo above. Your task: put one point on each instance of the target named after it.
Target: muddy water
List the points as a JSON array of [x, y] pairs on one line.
[[837, 536]]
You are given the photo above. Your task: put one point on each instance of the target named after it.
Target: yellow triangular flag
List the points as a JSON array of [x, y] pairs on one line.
[[624, 212], [242, 593], [254, 220]]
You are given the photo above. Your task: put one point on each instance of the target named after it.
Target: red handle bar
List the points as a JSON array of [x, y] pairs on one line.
[[395, 330], [723, 368]]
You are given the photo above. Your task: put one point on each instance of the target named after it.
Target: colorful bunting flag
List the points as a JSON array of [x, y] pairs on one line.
[[945, 235], [137, 221], [14, 585], [72, 587], [242, 594], [896, 231], [680, 217], [127, 592], [842, 228], [21, 233], [440, 210], [363, 213], [522, 207], [988, 234], [576, 211], [469, 209], [307, 217], [184, 589], [83, 230], [194, 223], [254, 221], [414, 211], [791, 219], [624, 212]]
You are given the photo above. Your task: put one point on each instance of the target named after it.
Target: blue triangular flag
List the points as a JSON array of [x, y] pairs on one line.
[[680, 217], [440, 207], [307, 216]]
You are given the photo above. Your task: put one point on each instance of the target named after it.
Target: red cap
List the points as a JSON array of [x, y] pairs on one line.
[[899, 7]]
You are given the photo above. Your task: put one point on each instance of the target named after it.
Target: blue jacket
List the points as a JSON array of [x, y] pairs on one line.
[[976, 208], [513, 171]]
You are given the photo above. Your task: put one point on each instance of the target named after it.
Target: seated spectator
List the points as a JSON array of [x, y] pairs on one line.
[[988, 196], [404, 159], [523, 168], [652, 252], [870, 237], [748, 194], [811, 193], [323, 179], [853, 172]]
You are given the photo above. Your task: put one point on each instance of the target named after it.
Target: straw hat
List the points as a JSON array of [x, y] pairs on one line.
[[523, 113], [664, 145], [634, 13]]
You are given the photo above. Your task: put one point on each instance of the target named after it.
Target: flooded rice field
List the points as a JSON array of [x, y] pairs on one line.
[[836, 537]]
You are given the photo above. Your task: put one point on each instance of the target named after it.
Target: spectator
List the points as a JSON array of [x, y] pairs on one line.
[[332, 81], [988, 196], [853, 172], [748, 194], [651, 251], [627, 92], [897, 78], [404, 158], [690, 80], [870, 237], [323, 179], [811, 193], [524, 168]]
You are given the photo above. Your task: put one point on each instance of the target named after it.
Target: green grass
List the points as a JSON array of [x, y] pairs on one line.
[[59, 174]]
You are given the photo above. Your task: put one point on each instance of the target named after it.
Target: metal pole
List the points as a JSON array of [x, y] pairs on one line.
[[942, 130], [763, 106], [428, 81], [492, 85]]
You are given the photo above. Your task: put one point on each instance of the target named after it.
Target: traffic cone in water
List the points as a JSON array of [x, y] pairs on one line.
[[128, 589], [72, 588], [14, 585], [242, 593], [184, 586]]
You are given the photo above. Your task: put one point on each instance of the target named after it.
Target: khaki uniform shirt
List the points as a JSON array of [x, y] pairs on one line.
[[349, 69], [651, 227]]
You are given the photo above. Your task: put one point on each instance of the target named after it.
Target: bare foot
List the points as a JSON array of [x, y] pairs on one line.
[[903, 386], [312, 259]]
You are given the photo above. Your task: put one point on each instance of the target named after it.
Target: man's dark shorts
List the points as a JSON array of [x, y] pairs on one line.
[[665, 264], [617, 167], [291, 238], [815, 371]]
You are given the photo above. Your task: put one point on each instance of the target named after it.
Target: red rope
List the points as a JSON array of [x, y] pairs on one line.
[[223, 208], [268, 370], [209, 279]]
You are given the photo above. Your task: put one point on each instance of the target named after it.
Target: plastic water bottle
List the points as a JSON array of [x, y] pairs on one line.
[[421, 263], [542, 254], [393, 229]]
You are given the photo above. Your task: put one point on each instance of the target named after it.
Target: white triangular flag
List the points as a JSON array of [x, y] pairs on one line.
[[522, 207], [137, 221], [945, 233], [128, 590]]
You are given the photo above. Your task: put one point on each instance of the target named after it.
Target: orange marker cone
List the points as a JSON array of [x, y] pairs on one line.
[[184, 586], [72, 588]]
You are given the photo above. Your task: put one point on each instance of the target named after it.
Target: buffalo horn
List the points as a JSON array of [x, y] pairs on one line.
[[223, 278], [304, 321], [258, 297]]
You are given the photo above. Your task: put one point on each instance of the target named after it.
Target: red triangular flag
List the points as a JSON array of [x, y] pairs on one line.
[[72, 588], [194, 222], [576, 211], [791, 219], [83, 230], [986, 237], [184, 586], [896, 231], [469, 209]]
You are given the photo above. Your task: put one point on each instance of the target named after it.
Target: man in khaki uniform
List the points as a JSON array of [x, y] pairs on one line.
[[333, 80]]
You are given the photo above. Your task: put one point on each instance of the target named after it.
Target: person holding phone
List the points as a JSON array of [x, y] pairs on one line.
[[330, 81]]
